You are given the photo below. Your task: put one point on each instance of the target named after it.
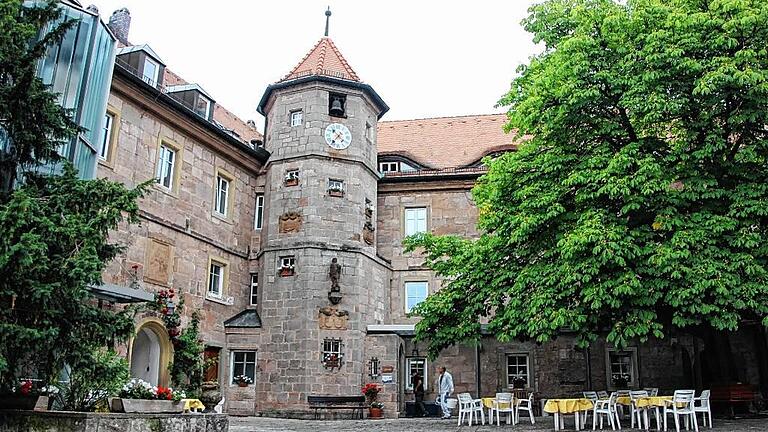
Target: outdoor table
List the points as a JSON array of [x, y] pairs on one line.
[[560, 407], [488, 403], [193, 404]]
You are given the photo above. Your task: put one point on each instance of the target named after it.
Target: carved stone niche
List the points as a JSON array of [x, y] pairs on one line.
[[331, 318], [368, 231], [290, 222]]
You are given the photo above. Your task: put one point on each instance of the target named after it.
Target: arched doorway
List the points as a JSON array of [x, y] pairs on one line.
[[150, 354]]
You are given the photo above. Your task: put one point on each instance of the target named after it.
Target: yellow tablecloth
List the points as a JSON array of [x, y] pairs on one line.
[[567, 406], [488, 403], [650, 401], [190, 404], [624, 400]]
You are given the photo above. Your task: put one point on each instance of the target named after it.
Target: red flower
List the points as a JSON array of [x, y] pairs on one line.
[[26, 387], [164, 393]]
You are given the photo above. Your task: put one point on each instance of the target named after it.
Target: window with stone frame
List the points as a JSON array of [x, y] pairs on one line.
[[415, 365], [623, 367], [291, 177], [166, 166], [297, 118], [243, 363], [374, 367], [258, 216], [254, 289], [415, 220], [216, 279], [287, 265], [222, 195], [107, 136], [415, 293], [518, 369], [335, 187]]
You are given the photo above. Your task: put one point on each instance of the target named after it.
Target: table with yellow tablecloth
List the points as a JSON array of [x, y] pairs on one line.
[[488, 403], [193, 404], [567, 406], [645, 401]]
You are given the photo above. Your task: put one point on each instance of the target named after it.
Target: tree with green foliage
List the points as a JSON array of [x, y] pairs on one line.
[[637, 201], [55, 229], [32, 123]]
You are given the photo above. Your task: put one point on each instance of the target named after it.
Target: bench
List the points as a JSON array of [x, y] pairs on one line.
[[354, 403], [733, 394]]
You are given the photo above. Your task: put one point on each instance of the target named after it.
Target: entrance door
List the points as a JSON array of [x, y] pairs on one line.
[[145, 356], [211, 357]]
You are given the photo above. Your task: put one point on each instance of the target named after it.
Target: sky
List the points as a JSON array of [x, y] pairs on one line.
[[425, 58]]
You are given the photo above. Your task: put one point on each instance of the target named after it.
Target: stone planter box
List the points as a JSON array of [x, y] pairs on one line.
[[146, 406]]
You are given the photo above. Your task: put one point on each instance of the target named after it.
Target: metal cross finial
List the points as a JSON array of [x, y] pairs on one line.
[[327, 19]]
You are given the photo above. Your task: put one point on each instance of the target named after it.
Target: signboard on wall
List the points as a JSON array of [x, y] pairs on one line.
[[386, 378]]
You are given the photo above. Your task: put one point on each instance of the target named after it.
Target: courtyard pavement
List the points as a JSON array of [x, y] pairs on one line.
[[264, 424]]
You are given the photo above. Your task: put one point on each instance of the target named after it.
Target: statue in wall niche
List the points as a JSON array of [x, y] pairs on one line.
[[334, 272], [331, 318], [368, 230], [290, 222]]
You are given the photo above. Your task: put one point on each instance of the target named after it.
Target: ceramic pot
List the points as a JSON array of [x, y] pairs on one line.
[[211, 396]]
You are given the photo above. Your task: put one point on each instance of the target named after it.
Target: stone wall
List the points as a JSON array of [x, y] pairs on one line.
[[54, 421]]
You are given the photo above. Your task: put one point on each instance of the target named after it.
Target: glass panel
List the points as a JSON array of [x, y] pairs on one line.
[[415, 293], [106, 136], [259, 216], [150, 71]]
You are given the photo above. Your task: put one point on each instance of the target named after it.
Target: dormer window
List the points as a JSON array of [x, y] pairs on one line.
[[388, 167], [203, 107], [151, 71], [195, 98], [142, 61]]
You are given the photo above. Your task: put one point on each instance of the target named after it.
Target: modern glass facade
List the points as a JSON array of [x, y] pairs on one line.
[[79, 69]]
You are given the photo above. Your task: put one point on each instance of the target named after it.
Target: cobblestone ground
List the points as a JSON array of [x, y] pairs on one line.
[[263, 424]]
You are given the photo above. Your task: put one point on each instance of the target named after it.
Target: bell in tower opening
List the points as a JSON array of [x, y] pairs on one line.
[[336, 103]]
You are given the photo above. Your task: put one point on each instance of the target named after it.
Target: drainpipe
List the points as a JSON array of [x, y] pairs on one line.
[[589, 368], [477, 369]]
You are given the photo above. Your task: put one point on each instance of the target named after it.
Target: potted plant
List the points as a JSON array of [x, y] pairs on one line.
[[371, 392], [620, 381], [210, 395], [243, 381], [336, 190], [519, 383], [24, 396], [139, 396], [291, 178], [286, 270]]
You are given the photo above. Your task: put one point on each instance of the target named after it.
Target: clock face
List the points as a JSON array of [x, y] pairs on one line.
[[338, 136]]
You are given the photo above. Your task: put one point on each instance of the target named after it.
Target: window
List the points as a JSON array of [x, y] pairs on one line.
[[374, 367], [106, 138], [415, 293], [216, 279], [386, 167], [203, 107], [623, 364], [243, 363], [258, 217], [291, 177], [254, 289], [222, 195], [287, 266], [415, 365], [335, 187], [415, 220], [166, 166], [332, 355], [296, 118], [151, 71], [517, 369]]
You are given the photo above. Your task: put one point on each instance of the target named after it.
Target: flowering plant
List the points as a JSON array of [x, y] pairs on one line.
[[243, 379], [25, 387], [621, 380], [140, 389], [371, 390]]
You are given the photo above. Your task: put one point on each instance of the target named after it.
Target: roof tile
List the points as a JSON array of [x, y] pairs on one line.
[[323, 59]]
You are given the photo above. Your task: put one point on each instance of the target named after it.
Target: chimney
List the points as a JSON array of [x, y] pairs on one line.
[[120, 24]]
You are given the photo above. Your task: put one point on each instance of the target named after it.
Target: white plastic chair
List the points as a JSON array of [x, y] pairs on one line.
[[601, 395], [606, 407], [525, 405], [652, 391], [681, 405], [468, 407], [503, 404], [703, 408], [635, 412], [591, 395]]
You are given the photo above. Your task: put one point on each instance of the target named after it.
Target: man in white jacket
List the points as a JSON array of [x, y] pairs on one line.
[[444, 388]]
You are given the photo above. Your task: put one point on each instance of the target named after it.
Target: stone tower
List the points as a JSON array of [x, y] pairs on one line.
[[323, 282]]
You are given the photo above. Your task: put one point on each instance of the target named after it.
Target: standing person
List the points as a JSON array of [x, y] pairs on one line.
[[444, 388], [418, 393]]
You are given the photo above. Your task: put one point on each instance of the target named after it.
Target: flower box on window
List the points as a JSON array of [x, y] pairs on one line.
[[291, 178], [286, 271], [335, 193]]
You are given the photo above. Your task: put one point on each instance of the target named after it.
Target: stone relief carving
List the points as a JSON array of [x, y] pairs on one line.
[[290, 222], [334, 273], [333, 319], [158, 262], [368, 231]]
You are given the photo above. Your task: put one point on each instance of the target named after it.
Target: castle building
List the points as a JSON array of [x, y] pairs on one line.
[[290, 243]]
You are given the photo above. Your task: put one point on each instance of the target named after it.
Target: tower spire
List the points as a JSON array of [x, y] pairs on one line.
[[327, 19]]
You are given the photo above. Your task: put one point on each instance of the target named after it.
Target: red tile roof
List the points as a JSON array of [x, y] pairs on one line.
[[323, 59], [445, 142]]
